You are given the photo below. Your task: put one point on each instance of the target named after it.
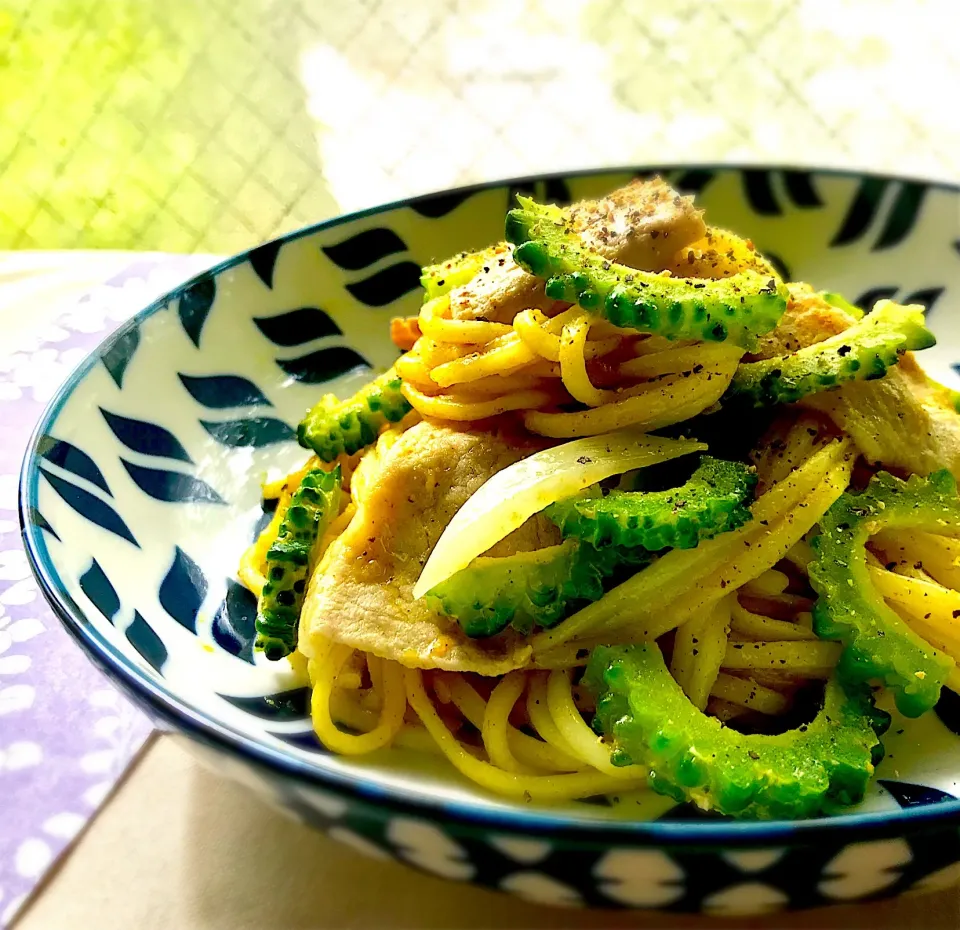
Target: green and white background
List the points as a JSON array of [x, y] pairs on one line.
[[180, 125]]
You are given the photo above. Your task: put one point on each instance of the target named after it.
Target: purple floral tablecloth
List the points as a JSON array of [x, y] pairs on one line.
[[66, 736]]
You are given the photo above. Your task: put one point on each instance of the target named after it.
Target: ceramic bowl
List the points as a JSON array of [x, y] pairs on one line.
[[140, 489]]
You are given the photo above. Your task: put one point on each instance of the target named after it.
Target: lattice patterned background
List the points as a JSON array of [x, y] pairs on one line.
[[186, 125]]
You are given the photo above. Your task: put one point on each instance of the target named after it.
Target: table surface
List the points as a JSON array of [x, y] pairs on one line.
[[178, 847]]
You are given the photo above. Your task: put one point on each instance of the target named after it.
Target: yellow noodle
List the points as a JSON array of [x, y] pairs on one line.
[[531, 326], [767, 545], [929, 608], [253, 560], [642, 601], [573, 365], [584, 743], [673, 361], [547, 788], [938, 556], [538, 710], [391, 716], [495, 727], [778, 460], [953, 679], [503, 355], [810, 659], [801, 555], [663, 403], [527, 749], [770, 582], [759, 627], [498, 386], [748, 694], [698, 649], [435, 354], [413, 370], [445, 407], [435, 323], [725, 711]]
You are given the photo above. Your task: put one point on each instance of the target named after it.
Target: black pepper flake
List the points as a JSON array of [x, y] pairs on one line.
[[843, 350], [754, 755], [584, 460]]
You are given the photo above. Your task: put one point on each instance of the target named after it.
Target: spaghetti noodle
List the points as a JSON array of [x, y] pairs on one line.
[[733, 614]]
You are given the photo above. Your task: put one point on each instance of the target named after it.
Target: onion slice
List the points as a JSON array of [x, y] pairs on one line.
[[515, 494]]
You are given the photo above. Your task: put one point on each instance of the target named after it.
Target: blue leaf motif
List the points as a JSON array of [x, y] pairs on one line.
[[183, 590], [282, 707], [364, 248], [387, 285], [693, 181], [296, 327], [116, 357], [778, 263], [38, 519], [217, 392], [234, 627], [172, 487], [95, 584], [801, 190], [437, 205], [146, 438], [861, 212], [902, 216], [948, 710], [89, 507], [759, 191], [142, 637], [323, 365], [928, 296], [194, 306], [71, 459], [263, 259], [910, 795], [251, 431], [306, 739], [263, 520], [868, 299]]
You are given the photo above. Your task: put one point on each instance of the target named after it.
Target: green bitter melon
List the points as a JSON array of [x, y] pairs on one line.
[[313, 505], [714, 500], [878, 644], [737, 308], [528, 589], [861, 353], [817, 768], [331, 429]]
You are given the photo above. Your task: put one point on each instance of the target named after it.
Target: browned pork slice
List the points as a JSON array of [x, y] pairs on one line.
[[904, 421], [642, 225], [807, 320], [361, 594]]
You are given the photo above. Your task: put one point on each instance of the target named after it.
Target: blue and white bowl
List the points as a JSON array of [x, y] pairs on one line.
[[140, 489]]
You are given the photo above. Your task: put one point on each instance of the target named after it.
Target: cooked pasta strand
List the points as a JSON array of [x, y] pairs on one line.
[[759, 627], [546, 788], [810, 659], [391, 716], [749, 694], [573, 365], [640, 605], [670, 401], [698, 650]]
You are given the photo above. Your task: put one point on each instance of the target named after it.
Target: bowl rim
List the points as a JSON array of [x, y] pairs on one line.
[[166, 705]]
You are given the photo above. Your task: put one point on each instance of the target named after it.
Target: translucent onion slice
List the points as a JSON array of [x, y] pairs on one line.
[[513, 495]]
